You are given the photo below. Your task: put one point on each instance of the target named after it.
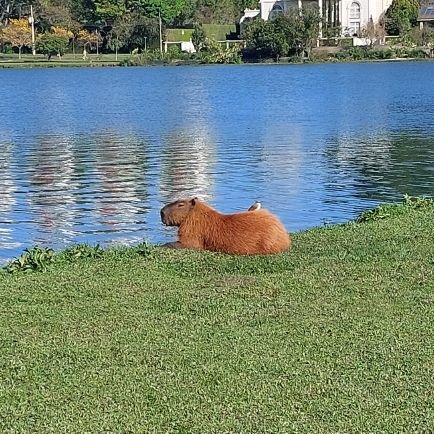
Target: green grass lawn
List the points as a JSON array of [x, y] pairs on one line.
[[214, 31], [337, 335], [27, 60]]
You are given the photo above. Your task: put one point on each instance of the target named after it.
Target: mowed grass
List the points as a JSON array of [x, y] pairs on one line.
[[337, 335], [68, 60]]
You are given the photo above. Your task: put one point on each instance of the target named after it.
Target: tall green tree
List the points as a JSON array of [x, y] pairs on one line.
[[144, 27], [52, 44], [291, 33], [10, 9], [216, 11], [303, 29], [401, 16], [121, 32], [110, 10], [267, 38], [198, 37], [167, 9], [246, 4], [83, 11]]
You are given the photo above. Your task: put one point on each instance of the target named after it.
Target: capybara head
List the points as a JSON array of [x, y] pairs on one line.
[[175, 213]]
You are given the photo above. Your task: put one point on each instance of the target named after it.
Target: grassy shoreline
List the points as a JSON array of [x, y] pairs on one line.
[[334, 335], [109, 62]]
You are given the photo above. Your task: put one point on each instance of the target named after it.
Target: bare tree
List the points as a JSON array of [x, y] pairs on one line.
[[374, 33]]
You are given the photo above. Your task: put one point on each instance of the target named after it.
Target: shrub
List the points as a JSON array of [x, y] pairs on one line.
[[384, 211], [82, 251], [34, 259]]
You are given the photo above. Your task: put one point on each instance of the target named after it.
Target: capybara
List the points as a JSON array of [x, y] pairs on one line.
[[203, 228]]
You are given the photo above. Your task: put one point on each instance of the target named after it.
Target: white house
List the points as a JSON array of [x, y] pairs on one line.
[[350, 15]]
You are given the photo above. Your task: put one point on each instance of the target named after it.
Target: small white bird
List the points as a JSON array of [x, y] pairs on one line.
[[255, 206]]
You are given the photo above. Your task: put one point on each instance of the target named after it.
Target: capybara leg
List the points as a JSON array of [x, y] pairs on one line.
[[174, 245]]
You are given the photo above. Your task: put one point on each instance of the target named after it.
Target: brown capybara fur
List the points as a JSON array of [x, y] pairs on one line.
[[246, 233]]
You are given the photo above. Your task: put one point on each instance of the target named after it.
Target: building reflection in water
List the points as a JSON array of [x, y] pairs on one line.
[[121, 185], [87, 188], [53, 188], [188, 164], [287, 165], [8, 199], [283, 157]]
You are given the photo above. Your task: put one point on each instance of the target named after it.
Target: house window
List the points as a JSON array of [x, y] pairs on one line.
[[355, 28], [276, 11], [355, 11]]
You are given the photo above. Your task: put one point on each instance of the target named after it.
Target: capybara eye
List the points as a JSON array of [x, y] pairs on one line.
[[181, 204]]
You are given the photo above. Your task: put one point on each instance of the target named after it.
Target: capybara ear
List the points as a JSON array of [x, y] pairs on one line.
[[193, 201]]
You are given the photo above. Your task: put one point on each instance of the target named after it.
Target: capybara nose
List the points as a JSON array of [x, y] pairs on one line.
[[163, 217]]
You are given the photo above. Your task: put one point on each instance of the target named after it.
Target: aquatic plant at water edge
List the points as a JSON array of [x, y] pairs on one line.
[[82, 251], [33, 259]]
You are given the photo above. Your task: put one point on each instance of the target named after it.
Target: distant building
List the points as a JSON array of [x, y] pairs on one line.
[[350, 15], [426, 14]]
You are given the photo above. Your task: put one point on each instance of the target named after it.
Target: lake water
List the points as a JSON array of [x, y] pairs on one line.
[[90, 155]]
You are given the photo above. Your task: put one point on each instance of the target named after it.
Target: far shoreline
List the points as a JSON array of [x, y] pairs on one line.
[[267, 62]]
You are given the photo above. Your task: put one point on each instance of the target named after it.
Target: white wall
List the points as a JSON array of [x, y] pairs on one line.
[[368, 9]]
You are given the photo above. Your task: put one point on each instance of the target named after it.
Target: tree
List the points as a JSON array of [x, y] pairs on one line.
[[18, 34], [144, 28], [291, 33], [9, 8], [167, 9], [122, 29], [198, 37], [55, 15], [109, 10], [303, 29], [215, 52], [245, 4], [83, 11], [266, 39], [216, 11], [401, 16], [373, 32], [54, 42], [50, 44], [88, 39], [423, 37]]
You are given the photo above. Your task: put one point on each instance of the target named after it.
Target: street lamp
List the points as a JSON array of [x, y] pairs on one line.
[[32, 23], [161, 36]]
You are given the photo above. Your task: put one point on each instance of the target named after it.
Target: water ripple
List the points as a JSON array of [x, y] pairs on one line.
[[83, 162]]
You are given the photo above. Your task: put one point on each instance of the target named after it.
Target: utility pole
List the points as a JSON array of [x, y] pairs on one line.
[[161, 35], [32, 22]]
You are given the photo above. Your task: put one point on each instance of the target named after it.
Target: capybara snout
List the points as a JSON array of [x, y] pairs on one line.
[[176, 212], [163, 217]]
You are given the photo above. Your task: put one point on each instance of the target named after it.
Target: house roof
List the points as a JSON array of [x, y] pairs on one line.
[[426, 12]]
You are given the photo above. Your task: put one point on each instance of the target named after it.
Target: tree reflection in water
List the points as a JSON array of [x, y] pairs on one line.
[[382, 167]]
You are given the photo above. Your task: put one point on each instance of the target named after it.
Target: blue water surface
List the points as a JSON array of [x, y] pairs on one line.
[[90, 155]]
